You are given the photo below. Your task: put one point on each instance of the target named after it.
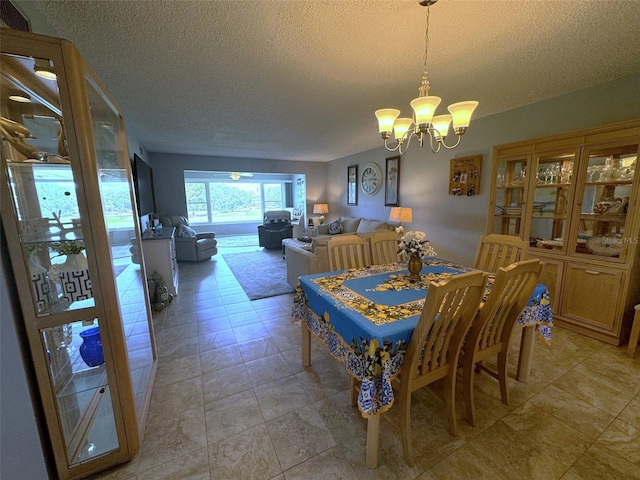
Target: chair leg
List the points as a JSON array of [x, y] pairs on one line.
[[405, 426], [502, 375], [467, 382], [450, 402], [355, 384]]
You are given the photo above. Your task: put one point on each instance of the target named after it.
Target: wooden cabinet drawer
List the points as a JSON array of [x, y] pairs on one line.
[[591, 295]]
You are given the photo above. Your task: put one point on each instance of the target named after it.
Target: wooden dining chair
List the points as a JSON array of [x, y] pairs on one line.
[[490, 332], [434, 348], [384, 248], [347, 251], [495, 251]]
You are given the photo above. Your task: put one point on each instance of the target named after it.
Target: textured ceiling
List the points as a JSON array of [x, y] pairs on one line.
[[300, 80]]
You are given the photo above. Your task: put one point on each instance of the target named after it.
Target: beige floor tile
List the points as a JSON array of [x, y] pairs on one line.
[[232, 415], [329, 464], [573, 410], [193, 466], [600, 463], [299, 435], [631, 413], [177, 370], [547, 433], [224, 383], [254, 349], [248, 455], [324, 379], [624, 439], [268, 369], [282, 396], [220, 358], [593, 392], [182, 395], [168, 437]]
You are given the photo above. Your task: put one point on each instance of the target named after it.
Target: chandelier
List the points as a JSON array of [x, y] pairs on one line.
[[424, 124]]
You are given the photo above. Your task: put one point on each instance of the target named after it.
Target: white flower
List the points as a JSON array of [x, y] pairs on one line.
[[400, 230], [414, 244]]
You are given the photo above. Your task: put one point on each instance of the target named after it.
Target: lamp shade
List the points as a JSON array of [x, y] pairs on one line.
[[320, 208], [461, 113], [401, 127], [401, 214], [424, 108], [441, 124], [386, 118]]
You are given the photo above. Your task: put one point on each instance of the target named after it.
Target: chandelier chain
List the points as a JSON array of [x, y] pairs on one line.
[[424, 84]]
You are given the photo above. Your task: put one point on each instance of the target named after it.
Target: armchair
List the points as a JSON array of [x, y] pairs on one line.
[[276, 227], [190, 245]]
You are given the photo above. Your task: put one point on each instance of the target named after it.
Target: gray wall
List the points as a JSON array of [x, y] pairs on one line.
[[21, 456], [453, 224], [168, 181]]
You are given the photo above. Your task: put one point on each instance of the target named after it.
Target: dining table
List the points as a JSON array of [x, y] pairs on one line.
[[365, 317]]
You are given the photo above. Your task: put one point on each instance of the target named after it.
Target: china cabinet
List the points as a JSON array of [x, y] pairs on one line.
[[576, 198], [69, 218]]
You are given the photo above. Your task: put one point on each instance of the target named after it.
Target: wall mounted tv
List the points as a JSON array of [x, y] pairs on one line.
[[143, 183]]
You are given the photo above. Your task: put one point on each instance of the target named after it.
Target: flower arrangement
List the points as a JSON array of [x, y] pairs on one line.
[[414, 244], [68, 247]]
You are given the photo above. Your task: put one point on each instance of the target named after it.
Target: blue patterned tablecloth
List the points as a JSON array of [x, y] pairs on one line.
[[366, 317]]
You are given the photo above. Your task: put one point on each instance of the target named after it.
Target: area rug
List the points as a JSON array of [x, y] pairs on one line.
[[261, 273]]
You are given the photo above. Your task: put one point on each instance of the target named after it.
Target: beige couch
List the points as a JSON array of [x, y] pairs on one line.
[[304, 262]]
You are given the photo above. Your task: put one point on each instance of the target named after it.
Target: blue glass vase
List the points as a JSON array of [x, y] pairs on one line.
[[91, 348]]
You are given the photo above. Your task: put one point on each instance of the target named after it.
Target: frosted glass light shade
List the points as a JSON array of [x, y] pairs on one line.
[[386, 119], [441, 124], [424, 108], [461, 113], [401, 127]]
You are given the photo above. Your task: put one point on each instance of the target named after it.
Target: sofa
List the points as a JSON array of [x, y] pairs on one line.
[[301, 261], [190, 245]]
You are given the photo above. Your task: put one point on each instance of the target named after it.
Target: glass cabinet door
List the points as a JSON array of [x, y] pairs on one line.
[[604, 200], [511, 187], [120, 219], [552, 193]]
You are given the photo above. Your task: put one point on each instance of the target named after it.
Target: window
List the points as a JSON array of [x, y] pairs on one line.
[[213, 197]]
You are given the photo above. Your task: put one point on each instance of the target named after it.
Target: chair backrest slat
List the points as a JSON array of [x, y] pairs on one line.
[[509, 294], [345, 252], [384, 248], [449, 309], [495, 251]]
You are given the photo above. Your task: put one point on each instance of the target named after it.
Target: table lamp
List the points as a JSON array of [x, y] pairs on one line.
[[401, 214], [321, 208]]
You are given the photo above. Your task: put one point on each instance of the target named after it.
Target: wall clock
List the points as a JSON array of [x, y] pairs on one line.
[[371, 179]]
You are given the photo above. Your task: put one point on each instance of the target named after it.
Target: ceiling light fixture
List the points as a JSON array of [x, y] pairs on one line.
[[19, 96], [423, 122], [234, 176], [44, 69]]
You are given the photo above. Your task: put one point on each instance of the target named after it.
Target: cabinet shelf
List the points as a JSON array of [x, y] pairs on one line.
[[597, 217], [553, 185]]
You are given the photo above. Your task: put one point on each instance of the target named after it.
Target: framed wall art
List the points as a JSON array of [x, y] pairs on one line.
[[352, 185], [392, 181], [464, 176]]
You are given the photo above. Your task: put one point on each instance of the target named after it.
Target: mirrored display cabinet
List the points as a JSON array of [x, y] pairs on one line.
[[575, 197], [69, 217]]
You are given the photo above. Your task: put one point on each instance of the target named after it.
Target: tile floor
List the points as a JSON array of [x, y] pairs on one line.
[[232, 401]]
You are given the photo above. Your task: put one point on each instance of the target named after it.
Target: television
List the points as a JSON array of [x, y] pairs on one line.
[[143, 186]]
